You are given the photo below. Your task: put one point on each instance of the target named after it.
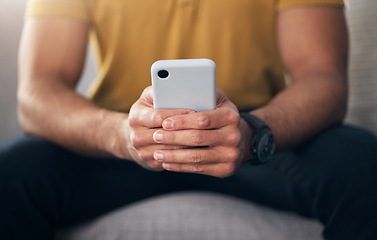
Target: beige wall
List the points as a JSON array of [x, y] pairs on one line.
[[10, 27], [363, 64]]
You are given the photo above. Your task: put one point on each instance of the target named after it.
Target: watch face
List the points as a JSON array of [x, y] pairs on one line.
[[266, 146]]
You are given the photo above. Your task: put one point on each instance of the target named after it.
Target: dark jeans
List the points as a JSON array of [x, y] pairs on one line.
[[333, 178]]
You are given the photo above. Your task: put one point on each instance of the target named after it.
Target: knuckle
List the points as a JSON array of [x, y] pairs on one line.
[[203, 121], [233, 117], [154, 164], [156, 118], [197, 158], [198, 139], [136, 140], [145, 155], [133, 120], [228, 170], [232, 155], [234, 139], [196, 169]]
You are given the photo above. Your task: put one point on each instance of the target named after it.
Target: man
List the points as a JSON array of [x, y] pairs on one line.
[[321, 168]]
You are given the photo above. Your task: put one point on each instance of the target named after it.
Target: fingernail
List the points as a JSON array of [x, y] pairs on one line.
[[157, 136], [167, 166], [158, 156], [168, 124]]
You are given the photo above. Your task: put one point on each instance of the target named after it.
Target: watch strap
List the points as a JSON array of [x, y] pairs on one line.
[[258, 126]]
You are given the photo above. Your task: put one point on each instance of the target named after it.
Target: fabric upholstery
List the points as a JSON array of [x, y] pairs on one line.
[[196, 215]]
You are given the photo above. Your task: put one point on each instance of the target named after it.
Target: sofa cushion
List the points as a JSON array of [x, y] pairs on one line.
[[196, 215]]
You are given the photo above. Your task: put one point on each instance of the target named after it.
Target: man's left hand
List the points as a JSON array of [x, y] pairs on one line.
[[218, 140]]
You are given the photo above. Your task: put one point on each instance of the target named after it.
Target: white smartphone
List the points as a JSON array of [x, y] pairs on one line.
[[184, 83]]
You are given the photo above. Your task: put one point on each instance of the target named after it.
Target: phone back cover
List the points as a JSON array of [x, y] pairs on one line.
[[191, 84]]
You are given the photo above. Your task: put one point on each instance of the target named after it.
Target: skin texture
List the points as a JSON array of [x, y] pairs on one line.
[[313, 47]]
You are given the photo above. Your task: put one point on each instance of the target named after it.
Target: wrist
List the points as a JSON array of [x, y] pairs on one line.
[[263, 143], [111, 129], [248, 140]]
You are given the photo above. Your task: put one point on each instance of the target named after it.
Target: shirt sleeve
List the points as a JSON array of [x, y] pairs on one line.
[[76, 9], [290, 3]]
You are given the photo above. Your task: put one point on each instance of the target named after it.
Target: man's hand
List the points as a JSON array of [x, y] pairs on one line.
[[218, 141], [136, 141]]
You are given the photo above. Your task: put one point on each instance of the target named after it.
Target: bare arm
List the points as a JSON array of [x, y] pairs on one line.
[[51, 57], [313, 45]]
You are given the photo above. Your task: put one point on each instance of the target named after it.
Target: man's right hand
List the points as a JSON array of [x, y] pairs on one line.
[[136, 138]]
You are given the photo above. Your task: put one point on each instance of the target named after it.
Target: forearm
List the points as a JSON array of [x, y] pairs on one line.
[[315, 102], [313, 47], [51, 109]]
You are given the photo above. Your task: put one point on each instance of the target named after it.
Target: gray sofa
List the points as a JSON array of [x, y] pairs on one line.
[[202, 215], [196, 215]]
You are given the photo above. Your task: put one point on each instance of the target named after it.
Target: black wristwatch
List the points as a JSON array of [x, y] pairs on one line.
[[264, 144]]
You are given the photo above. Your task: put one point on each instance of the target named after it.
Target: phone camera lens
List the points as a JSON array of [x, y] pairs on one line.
[[163, 74]]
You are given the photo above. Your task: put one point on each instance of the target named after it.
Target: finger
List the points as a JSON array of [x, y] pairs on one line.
[[152, 118], [203, 155], [151, 165], [217, 170], [141, 137], [146, 97], [220, 97], [212, 119], [144, 137], [198, 138], [147, 153]]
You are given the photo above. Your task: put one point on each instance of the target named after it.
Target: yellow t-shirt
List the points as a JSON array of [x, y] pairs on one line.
[[129, 35]]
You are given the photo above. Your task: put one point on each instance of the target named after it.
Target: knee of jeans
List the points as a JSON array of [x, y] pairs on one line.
[[353, 151], [25, 160], [33, 173], [344, 150], [350, 177]]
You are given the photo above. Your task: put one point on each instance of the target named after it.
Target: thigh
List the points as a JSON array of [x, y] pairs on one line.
[[311, 178], [67, 188]]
